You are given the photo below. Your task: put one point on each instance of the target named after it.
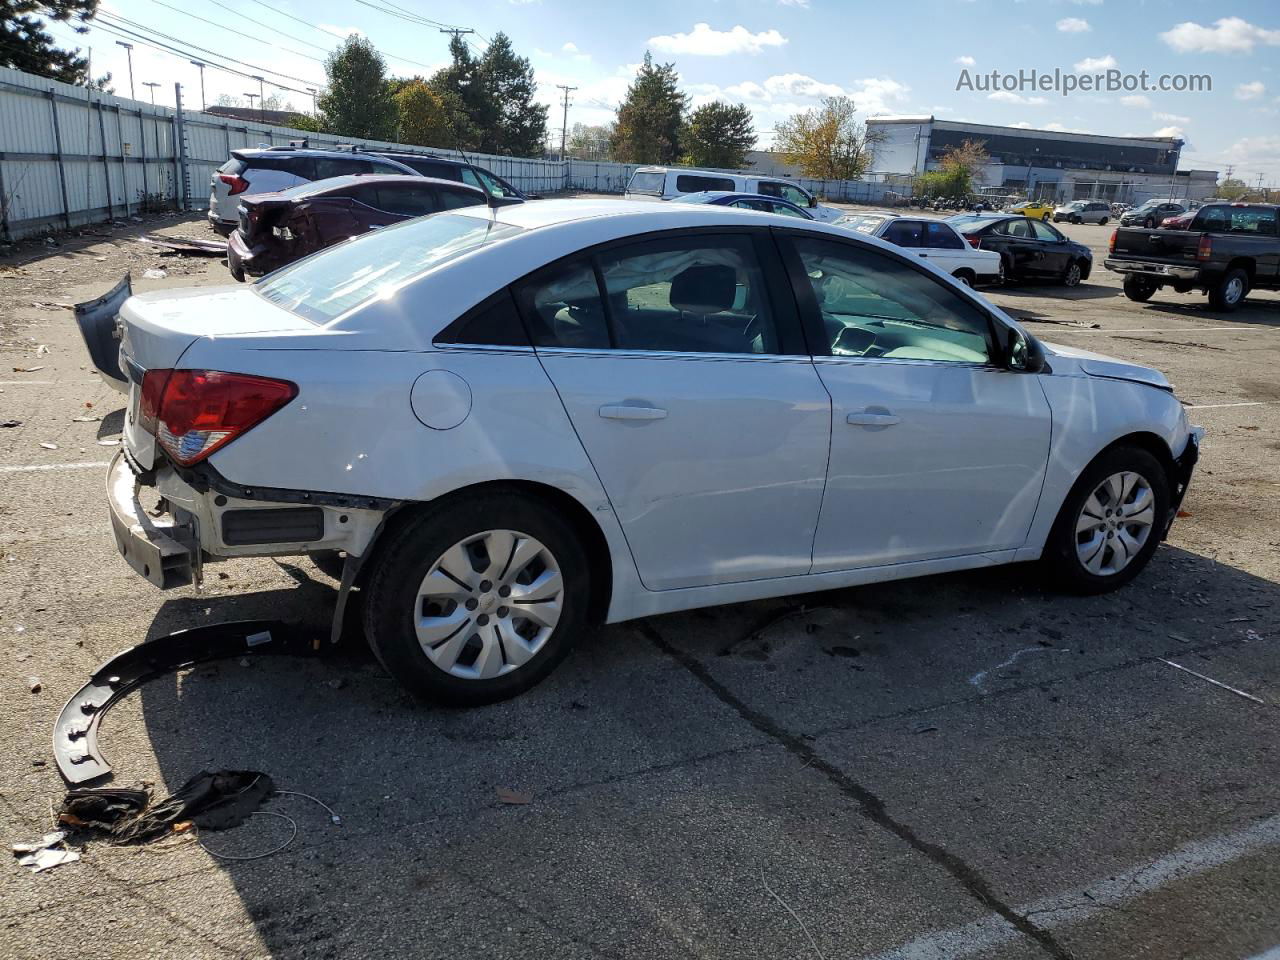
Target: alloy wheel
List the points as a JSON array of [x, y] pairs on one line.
[[1234, 291], [1073, 275], [489, 604], [1115, 523]]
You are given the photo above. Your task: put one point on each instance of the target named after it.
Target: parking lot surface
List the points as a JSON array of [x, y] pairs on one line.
[[960, 766]]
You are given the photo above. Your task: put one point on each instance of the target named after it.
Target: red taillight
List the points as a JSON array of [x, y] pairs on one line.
[[195, 412], [1204, 250], [974, 240], [1111, 244], [237, 183]]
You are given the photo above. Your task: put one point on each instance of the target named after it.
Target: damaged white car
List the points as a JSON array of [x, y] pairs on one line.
[[508, 425]]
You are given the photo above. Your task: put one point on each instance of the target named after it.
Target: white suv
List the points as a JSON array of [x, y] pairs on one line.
[[269, 169], [667, 183]]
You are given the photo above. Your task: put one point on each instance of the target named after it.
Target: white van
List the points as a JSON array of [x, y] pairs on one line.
[[666, 183]]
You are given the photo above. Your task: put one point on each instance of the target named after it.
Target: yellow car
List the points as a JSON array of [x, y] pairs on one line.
[[1035, 209]]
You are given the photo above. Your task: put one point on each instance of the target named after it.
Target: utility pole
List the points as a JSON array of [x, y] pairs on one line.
[[252, 97], [564, 128], [457, 32], [200, 66], [128, 49], [262, 99], [153, 86], [315, 109]]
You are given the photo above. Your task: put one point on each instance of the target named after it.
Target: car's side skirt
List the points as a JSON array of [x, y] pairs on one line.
[[632, 604]]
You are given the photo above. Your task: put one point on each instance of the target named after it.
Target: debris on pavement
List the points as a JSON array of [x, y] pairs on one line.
[[186, 245], [1216, 683], [10, 423], [75, 732], [34, 685], [48, 446], [46, 853], [85, 419], [154, 274], [27, 369], [515, 797]]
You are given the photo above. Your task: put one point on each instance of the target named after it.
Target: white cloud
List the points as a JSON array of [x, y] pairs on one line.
[[706, 42], [1022, 125], [1136, 100], [1170, 117], [1228, 35], [1170, 131], [1007, 96], [1251, 91], [1073, 25], [1094, 64], [570, 47], [748, 90], [798, 85], [802, 4], [966, 61]]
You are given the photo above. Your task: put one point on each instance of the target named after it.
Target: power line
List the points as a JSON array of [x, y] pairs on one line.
[[243, 16], [318, 29], [151, 33], [238, 33]]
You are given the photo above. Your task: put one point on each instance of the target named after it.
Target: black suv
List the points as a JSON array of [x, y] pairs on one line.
[[500, 192]]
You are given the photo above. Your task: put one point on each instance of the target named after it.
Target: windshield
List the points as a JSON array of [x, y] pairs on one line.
[[647, 182], [333, 282], [863, 223]]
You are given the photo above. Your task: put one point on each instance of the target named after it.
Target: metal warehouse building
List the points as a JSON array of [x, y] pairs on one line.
[[1046, 164]]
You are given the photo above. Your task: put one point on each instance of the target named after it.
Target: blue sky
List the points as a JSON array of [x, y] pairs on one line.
[[781, 56]]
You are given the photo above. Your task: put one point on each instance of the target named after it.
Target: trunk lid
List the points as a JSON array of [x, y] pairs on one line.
[[1171, 245]]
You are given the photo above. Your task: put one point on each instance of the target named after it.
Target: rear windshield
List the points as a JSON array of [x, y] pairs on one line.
[[235, 166], [863, 223], [651, 182], [333, 282]]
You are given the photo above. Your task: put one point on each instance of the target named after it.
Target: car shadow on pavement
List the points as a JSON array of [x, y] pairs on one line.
[[1262, 312], [1037, 290], [628, 775]]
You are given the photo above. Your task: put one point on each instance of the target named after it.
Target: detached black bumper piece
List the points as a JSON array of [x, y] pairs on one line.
[[75, 734], [1183, 466]]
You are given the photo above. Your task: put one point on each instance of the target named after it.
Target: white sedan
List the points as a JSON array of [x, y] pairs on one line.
[[508, 425], [933, 240]]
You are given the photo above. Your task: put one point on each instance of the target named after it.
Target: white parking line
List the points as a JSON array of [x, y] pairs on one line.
[[42, 383], [1272, 954], [35, 467], [1251, 329], [1216, 406], [1077, 906]]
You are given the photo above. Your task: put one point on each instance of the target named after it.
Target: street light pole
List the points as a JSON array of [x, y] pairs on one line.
[[153, 86], [200, 67], [128, 49]]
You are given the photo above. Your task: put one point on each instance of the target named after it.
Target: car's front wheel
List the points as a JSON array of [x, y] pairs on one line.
[[965, 276], [1103, 221], [1072, 276], [477, 600], [1111, 522]]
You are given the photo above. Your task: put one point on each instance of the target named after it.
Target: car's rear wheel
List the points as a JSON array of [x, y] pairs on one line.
[[1149, 223], [1139, 289], [965, 276], [478, 600], [1229, 292], [1111, 522], [1103, 221], [1072, 276]]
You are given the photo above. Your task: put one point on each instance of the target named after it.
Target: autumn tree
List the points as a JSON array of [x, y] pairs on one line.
[[590, 142], [967, 162], [358, 100], [26, 45], [423, 119], [651, 117], [827, 142], [1232, 188], [719, 134]]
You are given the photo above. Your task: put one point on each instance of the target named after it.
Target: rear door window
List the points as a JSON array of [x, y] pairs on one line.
[[905, 233], [941, 237], [697, 183], [409, 199], [563, 308], [326, 167], [453, 199]]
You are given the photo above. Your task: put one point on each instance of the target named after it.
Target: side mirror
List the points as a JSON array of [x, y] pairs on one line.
[[1023, 352], [813, 202]]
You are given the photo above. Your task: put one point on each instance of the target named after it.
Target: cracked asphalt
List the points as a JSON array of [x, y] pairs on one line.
[[959, 766]]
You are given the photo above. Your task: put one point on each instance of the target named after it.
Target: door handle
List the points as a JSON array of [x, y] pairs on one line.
[[625, 411], [924, 254], [872, 419]]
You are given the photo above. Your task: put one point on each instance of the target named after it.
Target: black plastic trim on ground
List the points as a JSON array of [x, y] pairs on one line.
[[872, 806]]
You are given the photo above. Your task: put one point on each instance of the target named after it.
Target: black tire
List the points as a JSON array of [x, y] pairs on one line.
[[967, 277], [1077, 219], [391, 594], [1149, 223], [1229, 292], [1061, 561], [1073, 274], [1139, 289], [237, 274], [1103, 221]]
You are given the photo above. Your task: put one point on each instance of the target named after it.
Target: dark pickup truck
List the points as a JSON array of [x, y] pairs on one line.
[[1226, 251]]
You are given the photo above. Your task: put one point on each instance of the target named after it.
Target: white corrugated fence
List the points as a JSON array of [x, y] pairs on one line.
[[70, 156]]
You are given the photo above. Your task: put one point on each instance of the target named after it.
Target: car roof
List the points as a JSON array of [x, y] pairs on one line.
[[710, 195], [388, 154], [316, 187], [252, 152]]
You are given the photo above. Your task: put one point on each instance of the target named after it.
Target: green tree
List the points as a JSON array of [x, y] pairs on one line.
[[489, 100], [1232, 188], [719, 135], [461, 91], [26, 45], [589, 142], [828, 142], [423, 119], [651, 117], [358, 100], [306, 121]]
